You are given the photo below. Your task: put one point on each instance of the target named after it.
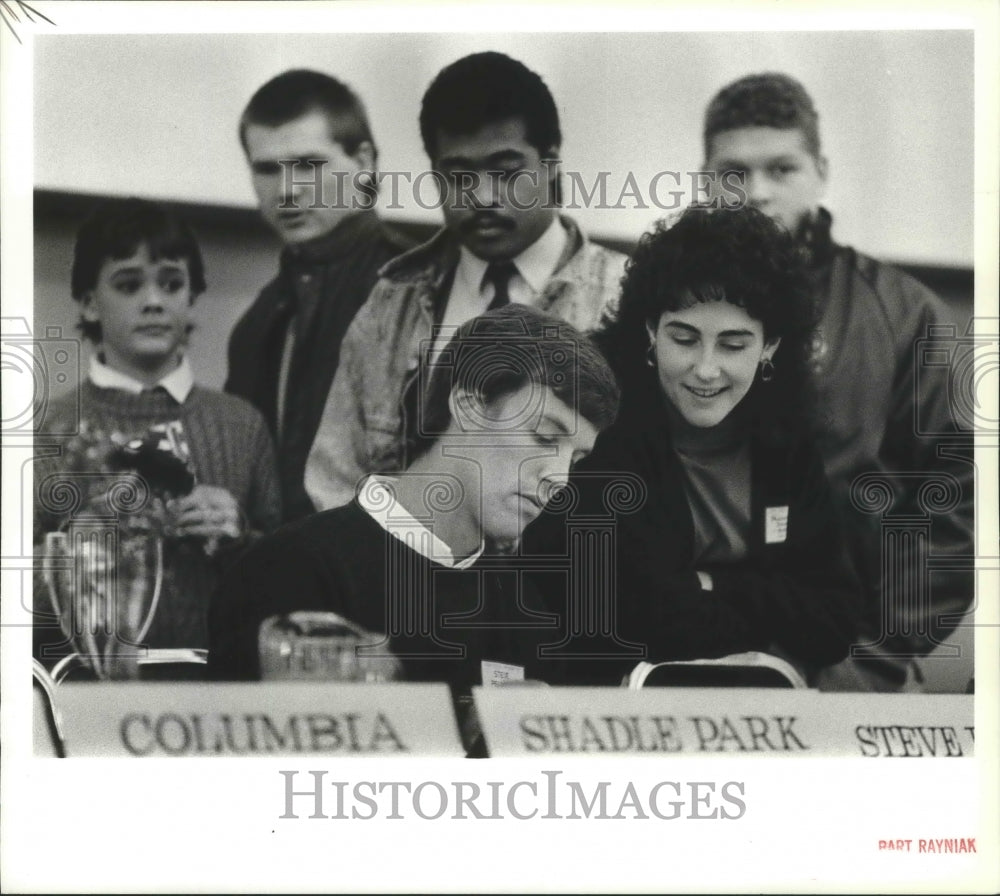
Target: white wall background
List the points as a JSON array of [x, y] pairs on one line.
[[155, 115]]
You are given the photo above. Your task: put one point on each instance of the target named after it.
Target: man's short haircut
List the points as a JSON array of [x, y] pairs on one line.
[[483, 89], [771, 100], [115, 230], [298, 92], [504, 350]]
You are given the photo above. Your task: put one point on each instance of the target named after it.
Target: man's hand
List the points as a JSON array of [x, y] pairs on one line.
[[208, 512]]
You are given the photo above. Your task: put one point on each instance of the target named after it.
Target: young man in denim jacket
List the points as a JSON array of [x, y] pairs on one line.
[[491, 130]]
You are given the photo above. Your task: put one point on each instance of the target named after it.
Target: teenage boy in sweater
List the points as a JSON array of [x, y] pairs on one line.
[[137, 270], [517, 397]]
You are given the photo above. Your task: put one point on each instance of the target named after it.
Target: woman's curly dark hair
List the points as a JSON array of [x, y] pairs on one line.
[[735, 255]]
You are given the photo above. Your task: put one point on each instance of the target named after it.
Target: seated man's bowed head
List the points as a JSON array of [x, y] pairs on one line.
[[731, 543], [423, 560], [144, 452]]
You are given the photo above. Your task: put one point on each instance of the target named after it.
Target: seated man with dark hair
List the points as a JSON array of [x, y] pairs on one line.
[[516, 399]]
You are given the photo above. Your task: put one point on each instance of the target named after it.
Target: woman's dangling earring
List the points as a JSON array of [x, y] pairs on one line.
[[651, 354], [766, 370]]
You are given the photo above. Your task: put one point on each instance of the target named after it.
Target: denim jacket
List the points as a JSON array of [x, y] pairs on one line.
[[364, 426]]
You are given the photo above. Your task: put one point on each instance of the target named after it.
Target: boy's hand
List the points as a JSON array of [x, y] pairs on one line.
[[208, 512]]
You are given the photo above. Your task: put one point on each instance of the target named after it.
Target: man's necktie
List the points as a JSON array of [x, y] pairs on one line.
[[499, 273], [156, 390]]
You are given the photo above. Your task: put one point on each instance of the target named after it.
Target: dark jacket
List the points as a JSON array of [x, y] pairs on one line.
[[330, 278], [888, 360], [797, 597]]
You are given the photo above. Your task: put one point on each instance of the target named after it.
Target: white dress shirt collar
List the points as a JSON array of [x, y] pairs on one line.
[[377, 498], [535, 265], [538, 262], [178, 383]]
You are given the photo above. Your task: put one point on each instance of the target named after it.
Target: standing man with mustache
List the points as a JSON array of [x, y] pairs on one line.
[[491, 130], [312, 160]]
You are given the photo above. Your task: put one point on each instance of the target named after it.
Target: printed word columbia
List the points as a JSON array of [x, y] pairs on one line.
[[192, 734]]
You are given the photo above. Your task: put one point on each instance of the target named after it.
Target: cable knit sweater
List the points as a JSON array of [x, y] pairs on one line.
[[229, 447]]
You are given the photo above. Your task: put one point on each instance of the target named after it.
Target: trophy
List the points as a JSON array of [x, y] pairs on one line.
[[104, 585], [103, 568]]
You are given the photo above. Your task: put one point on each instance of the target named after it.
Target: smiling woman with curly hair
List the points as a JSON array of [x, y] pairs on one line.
[[736, 545], [726, 262]]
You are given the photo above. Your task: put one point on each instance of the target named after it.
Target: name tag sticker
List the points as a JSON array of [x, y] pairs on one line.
[[775, 524], [497, 674]]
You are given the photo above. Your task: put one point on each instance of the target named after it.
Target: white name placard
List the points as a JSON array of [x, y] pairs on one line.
[[258, 719], [731, 721]]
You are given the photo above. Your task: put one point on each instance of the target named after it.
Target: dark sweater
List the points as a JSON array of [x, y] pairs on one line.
[[343, 561], [321, 284], [230, 447], [796, 595]]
